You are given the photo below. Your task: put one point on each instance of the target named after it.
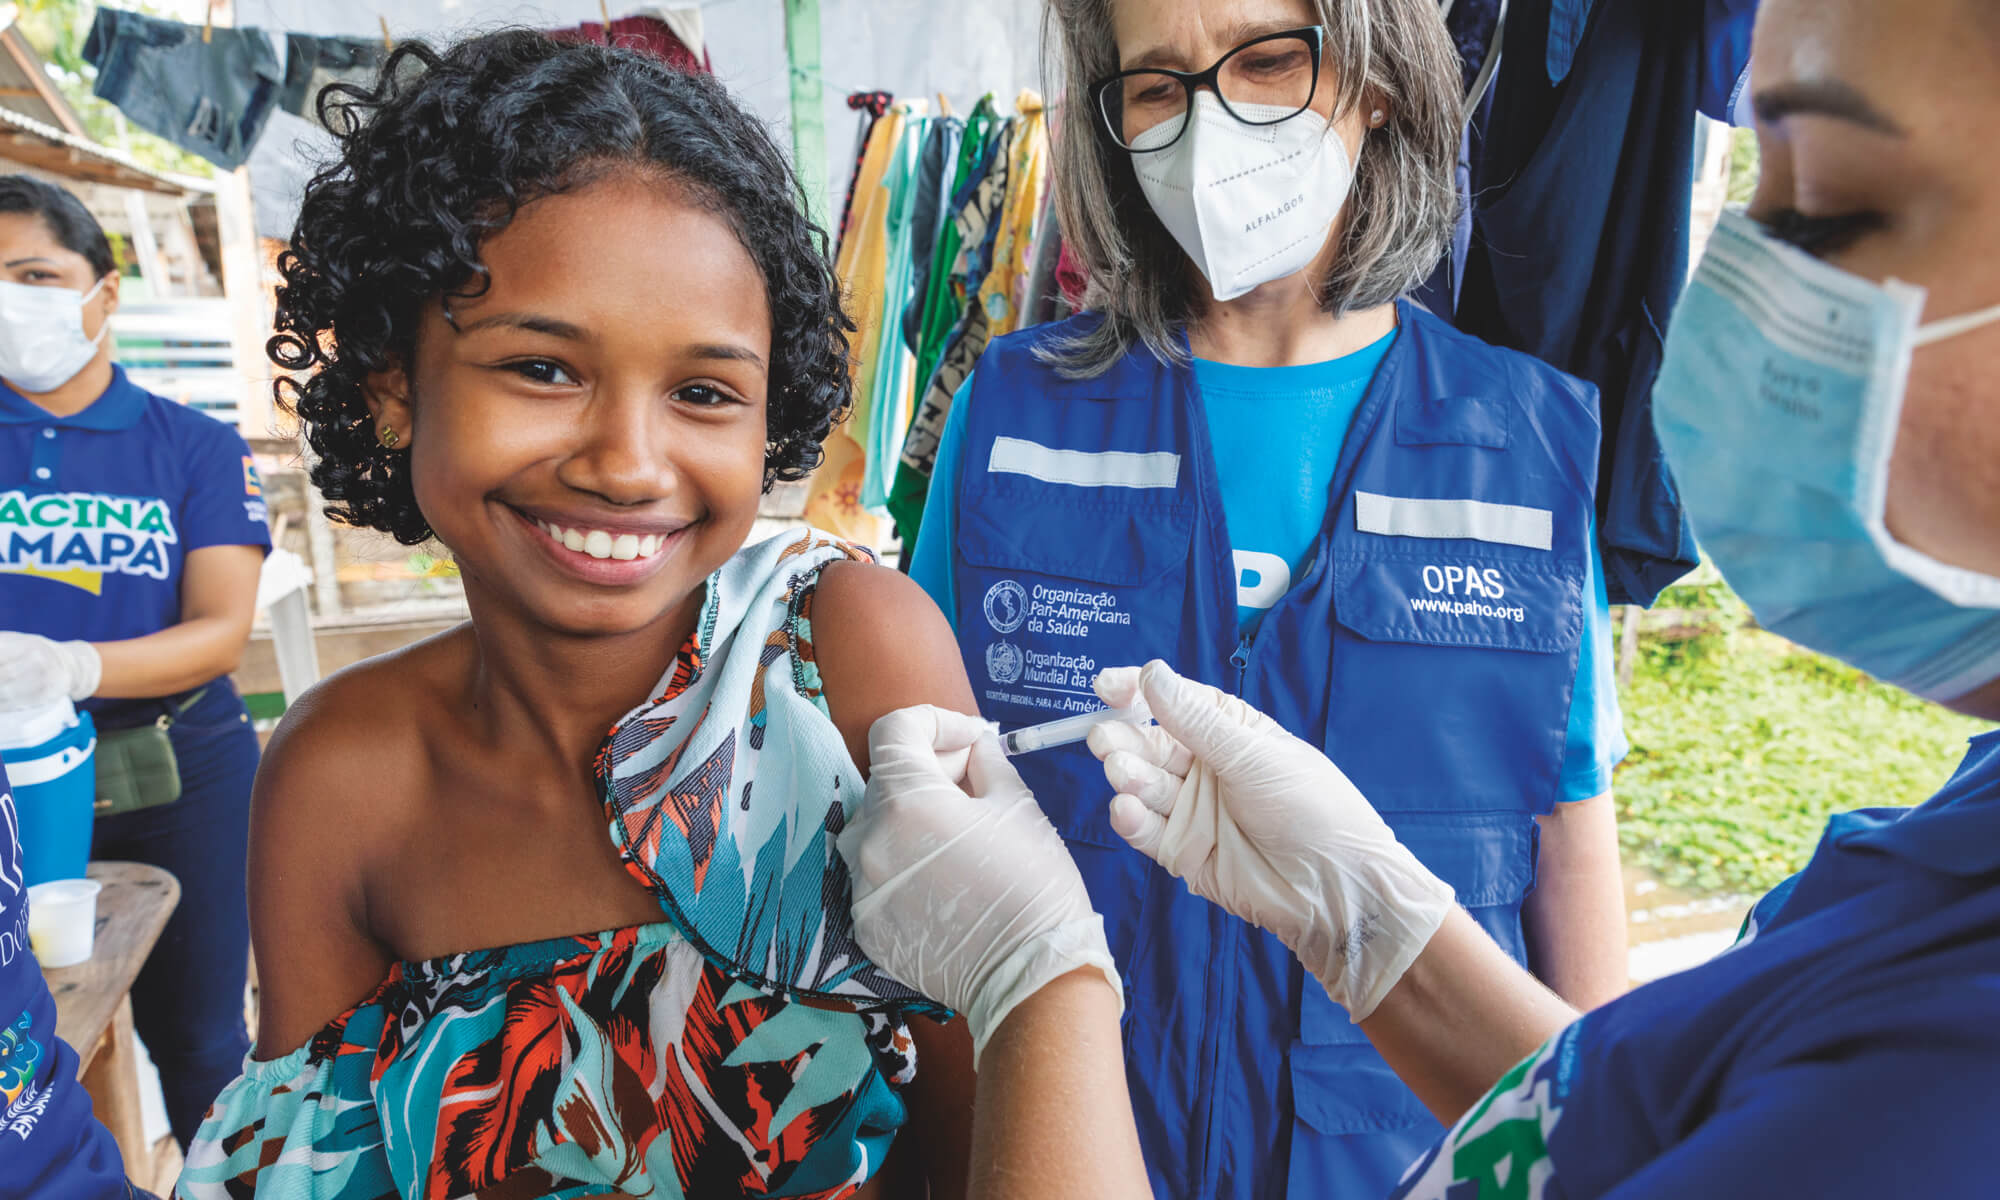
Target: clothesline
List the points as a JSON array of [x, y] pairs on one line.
[[235, 77]]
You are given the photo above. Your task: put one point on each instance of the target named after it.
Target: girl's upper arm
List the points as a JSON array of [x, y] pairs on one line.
[[309, 839], [881, 645]]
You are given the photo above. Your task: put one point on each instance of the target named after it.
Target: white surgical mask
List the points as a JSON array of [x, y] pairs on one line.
[[42, 343], [1249, 203], [1778, 404]]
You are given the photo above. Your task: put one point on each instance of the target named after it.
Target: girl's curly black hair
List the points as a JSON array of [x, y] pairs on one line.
[[442, 152]]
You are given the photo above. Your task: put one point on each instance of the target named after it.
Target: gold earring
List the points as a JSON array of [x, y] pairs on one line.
[[388, 436]]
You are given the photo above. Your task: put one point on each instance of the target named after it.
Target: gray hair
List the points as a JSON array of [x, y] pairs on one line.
[[1400, 213]]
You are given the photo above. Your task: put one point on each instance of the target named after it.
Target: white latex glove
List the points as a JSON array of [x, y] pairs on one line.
[[35, 671], [1261, 823], [967, 894]]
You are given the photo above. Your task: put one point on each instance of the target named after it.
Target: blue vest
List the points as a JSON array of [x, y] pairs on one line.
[[1429, 646]]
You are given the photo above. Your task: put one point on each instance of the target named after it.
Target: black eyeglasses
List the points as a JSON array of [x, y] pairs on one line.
[[1262, 82]]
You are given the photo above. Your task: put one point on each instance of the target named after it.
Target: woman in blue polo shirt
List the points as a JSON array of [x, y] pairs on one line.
[[132, 531]]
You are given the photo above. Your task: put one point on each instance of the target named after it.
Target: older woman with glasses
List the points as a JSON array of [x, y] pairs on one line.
[[1253, 459]]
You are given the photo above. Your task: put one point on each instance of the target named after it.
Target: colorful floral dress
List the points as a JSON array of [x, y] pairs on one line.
[[668, 1060]]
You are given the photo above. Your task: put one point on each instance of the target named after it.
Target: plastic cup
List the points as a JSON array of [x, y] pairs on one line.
[[62, 920]]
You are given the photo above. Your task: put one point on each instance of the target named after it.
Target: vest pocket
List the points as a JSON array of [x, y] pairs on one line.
[[1356, 1128], [1488, 858], [1052, 588], [1459, 597], [1093, 536]]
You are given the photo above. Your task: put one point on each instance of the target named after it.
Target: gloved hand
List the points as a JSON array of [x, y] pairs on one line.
[[972, 899], [35, 671], [1262, 824]]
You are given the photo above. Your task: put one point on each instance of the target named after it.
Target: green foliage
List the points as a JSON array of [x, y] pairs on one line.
[[1743, 166], [56, 29], [1743, 745]]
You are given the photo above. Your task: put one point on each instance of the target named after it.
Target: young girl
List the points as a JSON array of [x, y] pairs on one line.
[[557, 306]]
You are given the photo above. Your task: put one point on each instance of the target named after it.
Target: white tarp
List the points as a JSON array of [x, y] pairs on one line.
[[913, 48]]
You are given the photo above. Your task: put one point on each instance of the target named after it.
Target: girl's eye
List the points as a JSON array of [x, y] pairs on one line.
[[1820, 236], [541, 370], [703, 396]]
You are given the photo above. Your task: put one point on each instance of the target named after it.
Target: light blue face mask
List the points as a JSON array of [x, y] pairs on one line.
[[1778, 404]]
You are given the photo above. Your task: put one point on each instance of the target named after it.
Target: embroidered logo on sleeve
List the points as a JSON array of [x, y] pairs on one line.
[[1500, 1150]]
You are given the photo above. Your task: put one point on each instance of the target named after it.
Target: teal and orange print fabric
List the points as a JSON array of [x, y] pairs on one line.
[[669, 1060]]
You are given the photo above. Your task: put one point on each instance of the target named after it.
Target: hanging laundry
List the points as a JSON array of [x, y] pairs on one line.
[[997, 230], [209, 97], [311, 63], [942, 304], [834, 499], [1043, 300], [978, 226], [875, 104], [644, 32], [933, 211], [1006, 278], [686, 25], [1071, 279], [891, 385], [1581, 172]]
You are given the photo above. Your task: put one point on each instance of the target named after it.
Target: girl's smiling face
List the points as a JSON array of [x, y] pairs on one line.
[[587, 435]]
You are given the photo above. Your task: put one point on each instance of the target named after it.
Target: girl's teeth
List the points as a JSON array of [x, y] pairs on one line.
[[600, 544]]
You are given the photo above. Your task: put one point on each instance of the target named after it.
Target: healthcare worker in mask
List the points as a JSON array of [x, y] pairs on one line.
[[1825, 402], [132, 531], [1254, 460]]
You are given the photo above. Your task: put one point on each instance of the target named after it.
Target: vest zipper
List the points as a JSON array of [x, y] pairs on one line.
[[1240, 659]]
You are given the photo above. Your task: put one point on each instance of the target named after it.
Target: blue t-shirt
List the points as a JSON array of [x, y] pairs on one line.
[[99, 509], [50, 1144], [1275, 504], [1848, 1047], [1275, 484]]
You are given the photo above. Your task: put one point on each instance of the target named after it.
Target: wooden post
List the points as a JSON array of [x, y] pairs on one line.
[[808, 104], [144, 248], [243, 284], [323, 553], [1628, 644]]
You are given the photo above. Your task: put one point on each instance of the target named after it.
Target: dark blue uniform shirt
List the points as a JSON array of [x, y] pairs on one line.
[[50, 1144], [98, 510], [1848, 1046]]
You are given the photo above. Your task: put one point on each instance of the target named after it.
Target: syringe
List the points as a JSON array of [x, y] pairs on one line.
[[1065, 731]]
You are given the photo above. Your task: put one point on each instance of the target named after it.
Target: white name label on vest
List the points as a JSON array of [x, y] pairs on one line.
[[1473, 520], [1084, 468]]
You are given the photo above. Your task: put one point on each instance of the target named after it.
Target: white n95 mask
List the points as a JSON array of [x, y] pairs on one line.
[[1249, 203], [42, 343], [1778, 404]]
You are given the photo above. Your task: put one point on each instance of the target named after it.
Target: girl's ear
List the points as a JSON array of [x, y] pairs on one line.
[[387, 394]]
